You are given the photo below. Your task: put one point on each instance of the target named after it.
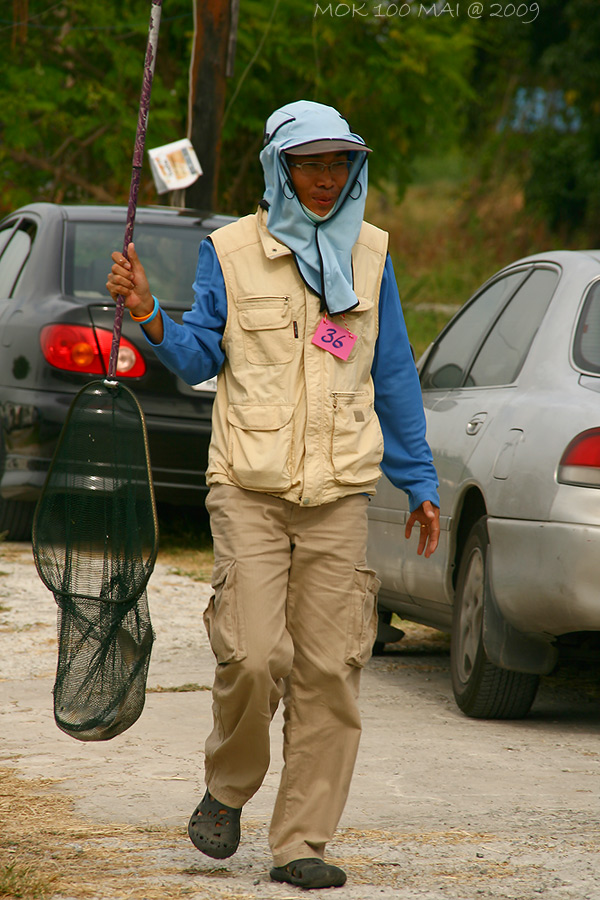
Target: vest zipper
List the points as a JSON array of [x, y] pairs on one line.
[[295, 329]]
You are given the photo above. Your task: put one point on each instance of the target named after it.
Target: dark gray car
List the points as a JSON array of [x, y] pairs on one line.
[[56, 322]]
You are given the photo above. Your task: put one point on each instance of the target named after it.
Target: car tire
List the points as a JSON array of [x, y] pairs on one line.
[[16, 517], [482, 690], [16, 520]]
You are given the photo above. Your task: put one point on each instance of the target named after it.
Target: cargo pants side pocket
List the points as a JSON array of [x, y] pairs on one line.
[[362, 621], [224, 617]]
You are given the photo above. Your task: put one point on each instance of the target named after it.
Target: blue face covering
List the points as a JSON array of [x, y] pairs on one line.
[[322, 247]]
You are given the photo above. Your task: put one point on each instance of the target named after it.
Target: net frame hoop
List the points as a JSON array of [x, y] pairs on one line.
[[149, 564]]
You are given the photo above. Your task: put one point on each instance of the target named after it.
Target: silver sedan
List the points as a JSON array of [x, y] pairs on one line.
[[511, 389]]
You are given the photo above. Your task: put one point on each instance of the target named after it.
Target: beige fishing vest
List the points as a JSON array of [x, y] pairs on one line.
[[289, 418]]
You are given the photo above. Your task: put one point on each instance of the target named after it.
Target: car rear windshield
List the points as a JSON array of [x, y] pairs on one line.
[[586, 347], [169, 255]]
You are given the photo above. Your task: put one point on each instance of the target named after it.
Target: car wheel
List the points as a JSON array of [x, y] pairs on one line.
[[16, 520], [481, 689]]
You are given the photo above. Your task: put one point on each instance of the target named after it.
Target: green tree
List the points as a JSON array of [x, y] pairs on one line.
[[400, 81], [537, 114], [564, 181], [69, 95], [71, 78]]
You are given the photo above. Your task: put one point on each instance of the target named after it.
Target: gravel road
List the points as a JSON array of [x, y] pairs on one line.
[[441, 806]]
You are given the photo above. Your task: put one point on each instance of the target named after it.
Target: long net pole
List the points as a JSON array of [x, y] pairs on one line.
[[136, 167]]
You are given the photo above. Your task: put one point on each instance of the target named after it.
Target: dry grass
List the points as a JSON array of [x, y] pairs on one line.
[[12, 552], [457, 226], [45, 849], [185, 542], [179, 689], [447, 237], [194, 564], [449, 837], [420, 638]]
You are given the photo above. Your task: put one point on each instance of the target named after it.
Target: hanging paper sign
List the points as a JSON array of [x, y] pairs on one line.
[[174, 166], [334, 339]]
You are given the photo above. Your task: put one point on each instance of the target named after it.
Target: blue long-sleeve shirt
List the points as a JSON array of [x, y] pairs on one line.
[[193, 351]]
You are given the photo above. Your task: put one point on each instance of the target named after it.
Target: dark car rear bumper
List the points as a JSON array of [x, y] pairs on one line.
[[31, 424]]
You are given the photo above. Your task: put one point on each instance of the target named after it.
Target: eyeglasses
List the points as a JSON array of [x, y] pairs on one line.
[[338, 168]]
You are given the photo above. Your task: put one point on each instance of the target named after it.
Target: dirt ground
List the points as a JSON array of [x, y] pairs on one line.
[[441, 806]]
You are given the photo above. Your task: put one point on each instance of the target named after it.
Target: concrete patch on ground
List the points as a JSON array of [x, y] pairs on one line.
[[441, 806]]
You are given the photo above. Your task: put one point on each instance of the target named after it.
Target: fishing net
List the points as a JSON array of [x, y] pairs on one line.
[[95, 539], [95, 532]]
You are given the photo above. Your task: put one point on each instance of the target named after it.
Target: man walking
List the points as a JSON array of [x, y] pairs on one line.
[[297, 311]]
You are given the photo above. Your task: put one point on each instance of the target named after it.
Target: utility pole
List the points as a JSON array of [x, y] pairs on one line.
[[215, 28]]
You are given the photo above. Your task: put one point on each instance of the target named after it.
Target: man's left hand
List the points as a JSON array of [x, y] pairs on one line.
[[428, 517]]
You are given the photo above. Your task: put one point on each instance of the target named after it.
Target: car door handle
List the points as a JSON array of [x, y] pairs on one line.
[[475, 423]]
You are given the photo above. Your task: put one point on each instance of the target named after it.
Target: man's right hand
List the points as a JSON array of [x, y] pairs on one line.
[[128, 278]]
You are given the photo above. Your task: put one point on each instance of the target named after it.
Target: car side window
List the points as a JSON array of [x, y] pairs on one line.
[[448, 363], [586, 347], [14, 257], [5, 234], [503, 353]]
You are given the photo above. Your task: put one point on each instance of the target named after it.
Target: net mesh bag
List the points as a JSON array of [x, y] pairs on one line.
[[103, 658], [95, 539]]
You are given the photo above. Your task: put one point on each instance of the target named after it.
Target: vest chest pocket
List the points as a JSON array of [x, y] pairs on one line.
[[358, 320], [266, 324]]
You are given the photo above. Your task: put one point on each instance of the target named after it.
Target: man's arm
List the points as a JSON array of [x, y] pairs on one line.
[[191, 350], [407, 459]]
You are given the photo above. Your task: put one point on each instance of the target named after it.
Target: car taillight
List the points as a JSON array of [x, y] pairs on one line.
[[580, 463], [79, 348], [130, 362]]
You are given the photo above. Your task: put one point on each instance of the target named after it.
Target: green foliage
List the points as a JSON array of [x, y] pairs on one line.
[[398, 81], [563, 180], [412, 85], [72, 77], [570, 163], [70, 93], [556, 158]]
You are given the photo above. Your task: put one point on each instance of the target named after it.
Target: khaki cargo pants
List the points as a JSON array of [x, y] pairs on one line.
[[294, 617]]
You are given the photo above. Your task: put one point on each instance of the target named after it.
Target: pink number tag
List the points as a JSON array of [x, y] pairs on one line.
[[330, 337]]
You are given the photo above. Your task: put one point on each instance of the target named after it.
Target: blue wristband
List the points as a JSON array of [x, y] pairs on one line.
[[144, 320]]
